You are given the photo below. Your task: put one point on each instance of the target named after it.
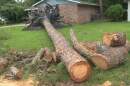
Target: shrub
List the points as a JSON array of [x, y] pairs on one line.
[[115, 12], [13, 12]]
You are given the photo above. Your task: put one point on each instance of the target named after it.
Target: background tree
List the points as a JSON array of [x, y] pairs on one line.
[[28, 3], [12, 12], [115, 12]]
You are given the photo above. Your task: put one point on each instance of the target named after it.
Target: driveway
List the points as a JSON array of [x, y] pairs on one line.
[[9, 26]]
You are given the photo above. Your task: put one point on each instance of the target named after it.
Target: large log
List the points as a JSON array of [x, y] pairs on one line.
[[78, 68], [114, 39], [107, 58]]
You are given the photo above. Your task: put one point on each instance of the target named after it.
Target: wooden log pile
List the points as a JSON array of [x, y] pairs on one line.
[[104, 55]]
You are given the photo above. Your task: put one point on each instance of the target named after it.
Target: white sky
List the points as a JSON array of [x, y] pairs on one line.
[[19, 0]]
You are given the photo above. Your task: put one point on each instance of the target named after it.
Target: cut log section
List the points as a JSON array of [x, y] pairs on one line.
[[78, 68], [107, 58], [3, 63], [114, 39]]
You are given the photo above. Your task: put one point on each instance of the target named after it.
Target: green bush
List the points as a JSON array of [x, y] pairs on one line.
[[115, 12], [13, 12]]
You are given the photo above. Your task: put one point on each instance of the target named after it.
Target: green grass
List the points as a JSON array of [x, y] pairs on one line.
[[27, 40], [33, 40]]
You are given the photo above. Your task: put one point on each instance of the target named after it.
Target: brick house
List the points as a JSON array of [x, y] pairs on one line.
[[73, 11]]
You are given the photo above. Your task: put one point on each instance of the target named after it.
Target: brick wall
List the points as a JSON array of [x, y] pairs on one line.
[[86, 13], [77, 13], [69, 13]]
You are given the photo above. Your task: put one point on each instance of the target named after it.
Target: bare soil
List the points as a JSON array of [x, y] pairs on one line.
[[5, 82]]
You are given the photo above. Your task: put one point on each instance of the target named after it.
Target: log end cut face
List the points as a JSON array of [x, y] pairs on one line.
[[100, 61], [114, 39], [80, 71]]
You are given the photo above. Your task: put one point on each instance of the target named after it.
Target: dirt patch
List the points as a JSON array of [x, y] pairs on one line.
[[28, 82]]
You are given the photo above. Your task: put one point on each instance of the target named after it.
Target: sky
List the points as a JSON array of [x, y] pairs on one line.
[[19, 0]]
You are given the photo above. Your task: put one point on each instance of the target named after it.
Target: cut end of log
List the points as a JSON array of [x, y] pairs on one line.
[[80, 71], [114, 39], [100, 61]]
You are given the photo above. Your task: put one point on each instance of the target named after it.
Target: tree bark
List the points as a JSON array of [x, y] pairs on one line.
[[104, 57], [78, 68], [114, 39]]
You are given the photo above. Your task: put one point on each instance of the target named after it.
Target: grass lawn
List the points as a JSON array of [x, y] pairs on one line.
[[34, 40]]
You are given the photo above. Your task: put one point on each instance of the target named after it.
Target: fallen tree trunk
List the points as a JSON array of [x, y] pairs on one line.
[[78, 68], [106, 59], [114, 39]]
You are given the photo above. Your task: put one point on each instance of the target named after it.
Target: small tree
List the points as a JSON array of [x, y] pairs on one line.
[[12, 12], [115, 12]]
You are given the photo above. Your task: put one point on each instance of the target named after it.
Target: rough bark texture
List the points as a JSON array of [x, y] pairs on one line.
[[77, 66], [104, 57], [114, 39], [91, 45], [114, 55]]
